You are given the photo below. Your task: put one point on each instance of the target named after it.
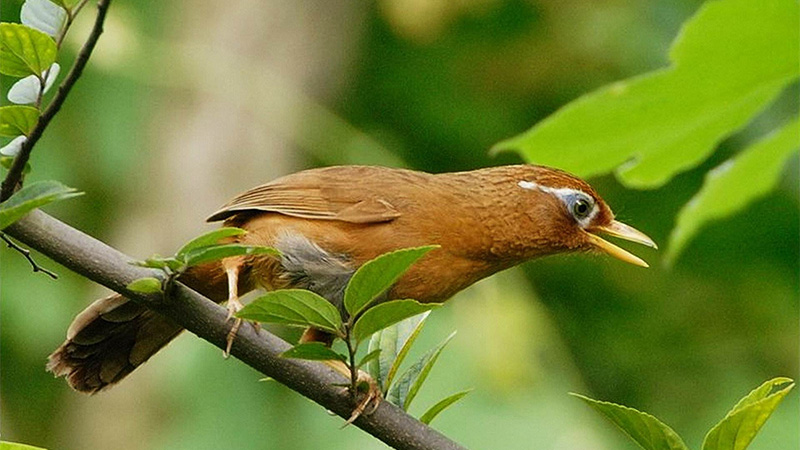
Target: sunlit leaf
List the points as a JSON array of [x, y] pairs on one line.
[[147, 285], [209, 239], [17, 120], [394, 343], [15, 446], [741, 424], [26, 90], [728, 63], [10, 150], [316, 351], [374, 277], [402, 393], [736, 183], [294, 307], [43, 15], [441, 405], [649, 432], [33, 196], [387, 314], [217, 252], [25, 51]]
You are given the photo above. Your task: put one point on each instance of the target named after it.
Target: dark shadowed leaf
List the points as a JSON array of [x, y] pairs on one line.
[[217, 252], [387, 314], [17, 120], [315, 351], [441, 405], [33, 196], [741, 424], [402, 392], [375, 277], [209, 239], [394, 343], [147, 285], [649, 432], [294, 307], [8, 161], [25, 51]]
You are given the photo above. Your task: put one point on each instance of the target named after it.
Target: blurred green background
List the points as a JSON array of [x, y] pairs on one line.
[[187, 103]]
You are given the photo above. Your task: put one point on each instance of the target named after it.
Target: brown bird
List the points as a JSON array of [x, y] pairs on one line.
[[327, 222]]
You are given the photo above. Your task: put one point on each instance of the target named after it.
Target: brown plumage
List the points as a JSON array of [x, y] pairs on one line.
[[327, 222]]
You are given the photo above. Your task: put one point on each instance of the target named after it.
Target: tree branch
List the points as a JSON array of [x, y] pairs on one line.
[[27, 254], [256, 348], [15, 172]]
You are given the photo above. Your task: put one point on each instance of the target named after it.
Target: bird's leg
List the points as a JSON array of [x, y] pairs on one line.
[[234, 305], [373, 393]]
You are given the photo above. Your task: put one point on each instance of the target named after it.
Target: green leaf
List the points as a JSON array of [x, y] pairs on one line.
[[387, 314], [33, 196], [394, 343], [374, 277], [736, 183], [209, 239], [17, 120], [7, 161], [294, 307], [441, 405], [729, 62], [165, 264], [217, 252], [25, 51], [408, 385], [649, 432], [740, 425], [14, 446], [372, 355], [147, 285], [315, 351]]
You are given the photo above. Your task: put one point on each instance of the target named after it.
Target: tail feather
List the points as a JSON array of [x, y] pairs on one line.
[[114, 335]]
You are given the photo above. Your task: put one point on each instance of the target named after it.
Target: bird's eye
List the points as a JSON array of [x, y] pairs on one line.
[[581, 208]]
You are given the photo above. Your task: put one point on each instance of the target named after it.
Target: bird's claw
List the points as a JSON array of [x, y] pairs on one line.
[[372, 397], [234, 306]]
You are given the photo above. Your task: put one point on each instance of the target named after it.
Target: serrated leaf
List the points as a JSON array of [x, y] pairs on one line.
[[17, 120], [647, 431], [741, 424], [43, 15], [217, 252], [729, 62], [387, 314], [147, 285], [394, 343], [209, 239], [408, 385], [375, 277], [294, 307], [33, 196], [371, 355], [15, 446], [441, 405], [730, 187], [25, 51], [315, 351]]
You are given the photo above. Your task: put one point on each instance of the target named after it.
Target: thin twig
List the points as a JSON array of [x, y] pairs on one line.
[[27, 254], [15, 172]]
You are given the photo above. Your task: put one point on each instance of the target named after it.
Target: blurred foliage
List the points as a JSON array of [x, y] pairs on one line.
[[434, 95]]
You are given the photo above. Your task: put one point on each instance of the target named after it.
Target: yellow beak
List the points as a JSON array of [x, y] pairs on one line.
[[622, 231]]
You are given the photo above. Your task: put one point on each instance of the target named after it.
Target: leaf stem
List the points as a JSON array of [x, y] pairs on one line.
[[14, 176]]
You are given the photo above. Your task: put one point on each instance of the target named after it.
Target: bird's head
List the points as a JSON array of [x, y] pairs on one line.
[[574, 215]]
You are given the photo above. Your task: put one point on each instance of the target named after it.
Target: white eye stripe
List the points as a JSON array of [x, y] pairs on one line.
[[565, 195]]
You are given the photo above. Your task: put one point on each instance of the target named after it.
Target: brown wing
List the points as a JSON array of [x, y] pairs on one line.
[[333, 193]]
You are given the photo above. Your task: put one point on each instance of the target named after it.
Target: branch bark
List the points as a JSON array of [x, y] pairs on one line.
[[256, 348]]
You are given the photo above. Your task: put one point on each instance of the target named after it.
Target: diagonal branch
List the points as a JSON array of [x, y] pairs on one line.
[[14, 175], [256, 348]]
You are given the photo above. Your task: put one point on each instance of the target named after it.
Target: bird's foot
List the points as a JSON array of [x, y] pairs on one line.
[[234, 306], [368, 389]]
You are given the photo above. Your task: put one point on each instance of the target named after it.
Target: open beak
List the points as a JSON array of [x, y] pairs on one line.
[[622, 231]]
